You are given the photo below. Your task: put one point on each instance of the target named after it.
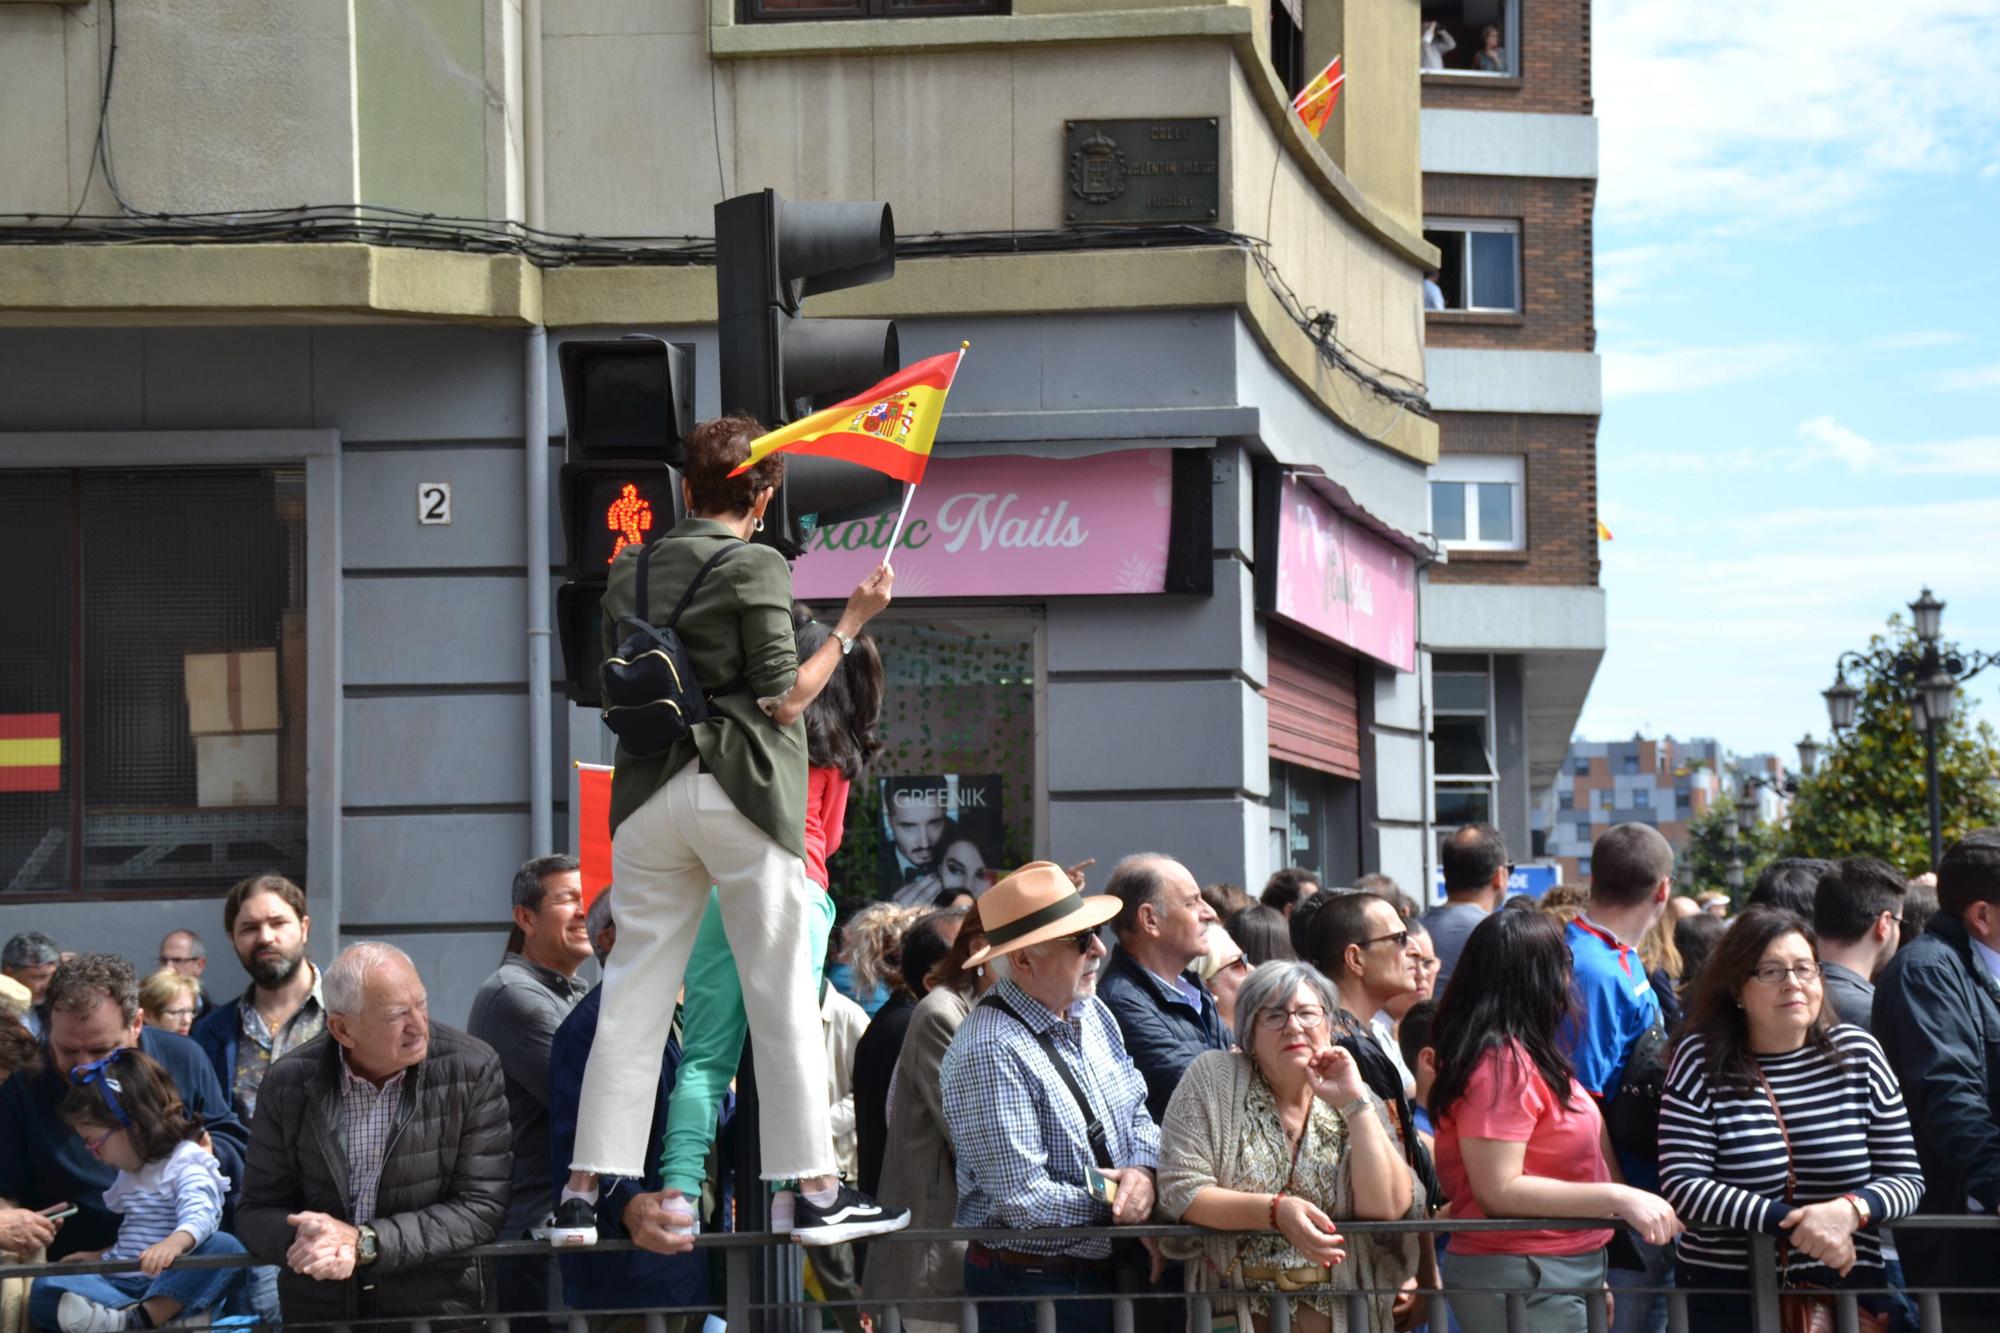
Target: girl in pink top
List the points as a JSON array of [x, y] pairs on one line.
[[1510, 1145]]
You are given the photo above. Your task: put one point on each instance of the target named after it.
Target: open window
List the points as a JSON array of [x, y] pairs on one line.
[[1479, 38], [1288, 44], [1479, 502], [1479, 264]]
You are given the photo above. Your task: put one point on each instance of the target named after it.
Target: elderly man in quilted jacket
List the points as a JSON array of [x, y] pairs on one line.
[[379, 1155]]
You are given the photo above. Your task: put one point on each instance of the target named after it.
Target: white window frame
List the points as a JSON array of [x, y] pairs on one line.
[[1510, 41], [1483, 469], [1488, 782], [1466, 227]]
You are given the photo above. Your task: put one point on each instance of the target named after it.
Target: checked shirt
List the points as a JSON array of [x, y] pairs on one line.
[[1023, 1155]]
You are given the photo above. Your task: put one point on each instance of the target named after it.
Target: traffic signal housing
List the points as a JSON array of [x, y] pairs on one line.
[[771, 255], [628, 402]]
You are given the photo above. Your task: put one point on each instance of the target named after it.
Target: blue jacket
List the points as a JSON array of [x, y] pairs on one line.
[[42, 1161], [217, 1032], [1164, 1030], [631, 1279]]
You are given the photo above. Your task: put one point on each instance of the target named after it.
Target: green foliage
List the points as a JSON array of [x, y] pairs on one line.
[[1867, 797], [1712, 840]]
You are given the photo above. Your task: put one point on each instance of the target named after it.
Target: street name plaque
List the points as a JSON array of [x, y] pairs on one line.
[[1138, 171]]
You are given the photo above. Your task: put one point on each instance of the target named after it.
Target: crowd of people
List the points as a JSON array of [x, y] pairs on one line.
[[1033, 1058]]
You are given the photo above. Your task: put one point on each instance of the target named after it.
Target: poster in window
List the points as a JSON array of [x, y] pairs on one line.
[[941, 836]]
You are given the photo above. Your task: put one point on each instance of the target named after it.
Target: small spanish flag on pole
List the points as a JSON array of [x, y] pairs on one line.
[[1316, 100], [889, 428], [30, 752]]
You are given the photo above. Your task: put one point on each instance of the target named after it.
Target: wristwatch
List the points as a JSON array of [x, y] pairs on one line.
[[1359, 1106], [1860, 1203], [365, 1249], [846, 642]]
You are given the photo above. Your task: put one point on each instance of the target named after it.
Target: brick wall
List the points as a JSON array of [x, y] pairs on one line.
[[1554, 63], [1561, 463], [1556, 267]]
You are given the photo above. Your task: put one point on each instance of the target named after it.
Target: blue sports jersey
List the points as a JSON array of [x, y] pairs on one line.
[[1615, 1005]]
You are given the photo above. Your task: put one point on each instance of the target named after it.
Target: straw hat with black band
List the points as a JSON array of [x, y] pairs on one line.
[[1034, 905]]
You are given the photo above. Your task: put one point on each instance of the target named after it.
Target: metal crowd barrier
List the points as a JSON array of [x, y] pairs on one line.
[[739, 1254]]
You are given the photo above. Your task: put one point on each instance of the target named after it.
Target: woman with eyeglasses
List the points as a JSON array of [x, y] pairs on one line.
[[170, 1001], [1273, 1145], [1778, 1119], [1517, 1136]]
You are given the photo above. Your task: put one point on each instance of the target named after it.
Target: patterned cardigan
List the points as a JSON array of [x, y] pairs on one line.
[[1200, 1146]]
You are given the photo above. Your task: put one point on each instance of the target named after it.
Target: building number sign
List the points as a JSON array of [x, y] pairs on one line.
[[433, 502]]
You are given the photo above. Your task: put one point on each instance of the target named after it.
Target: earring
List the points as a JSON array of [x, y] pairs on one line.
[[758, 526]]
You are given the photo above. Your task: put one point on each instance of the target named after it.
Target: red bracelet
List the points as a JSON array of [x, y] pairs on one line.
[[1274, 1208]]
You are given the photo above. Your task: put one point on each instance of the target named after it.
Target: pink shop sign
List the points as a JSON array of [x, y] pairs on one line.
[[1011, 527], [1341, 580]]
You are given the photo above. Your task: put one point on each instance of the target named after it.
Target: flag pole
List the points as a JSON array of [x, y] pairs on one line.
[[910, 491]]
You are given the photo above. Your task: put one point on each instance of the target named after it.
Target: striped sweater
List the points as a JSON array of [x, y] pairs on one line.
[[1722, 1159], [180, 1192]]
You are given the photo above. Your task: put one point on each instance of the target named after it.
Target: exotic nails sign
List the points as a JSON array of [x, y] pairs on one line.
[[1325, 572], [1012, 527]]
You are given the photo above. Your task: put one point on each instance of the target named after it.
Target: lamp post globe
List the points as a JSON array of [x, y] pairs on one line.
[[1842, 702], [1808, 754], [1939, 693], [1734, 875], [1746, 813], [1927, 611]]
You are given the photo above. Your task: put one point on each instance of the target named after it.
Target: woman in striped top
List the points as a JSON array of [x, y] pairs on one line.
[[1760, 1042]]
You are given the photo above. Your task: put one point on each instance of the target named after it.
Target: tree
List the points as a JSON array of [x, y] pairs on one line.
[[1868, 797], [1704, 858]]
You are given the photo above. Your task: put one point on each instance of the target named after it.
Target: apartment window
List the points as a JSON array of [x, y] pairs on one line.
[[1631, 763], [1477, 38], [1465, 787], [1581, 765], [1479, 263], [152, 709], [1641, 798], [789, 11], [1583, 866], [1583, 834], [1288, 43], [1479, 503]]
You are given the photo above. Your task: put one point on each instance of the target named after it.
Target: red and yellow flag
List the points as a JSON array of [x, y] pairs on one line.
[[30, 752], [593, 829], [888, 428], [1603, 533], [1316, 100]]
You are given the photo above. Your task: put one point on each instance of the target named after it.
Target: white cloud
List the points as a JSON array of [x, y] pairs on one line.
[[1679, 369], [1918, 339], [1826, 440], [1971, 377]]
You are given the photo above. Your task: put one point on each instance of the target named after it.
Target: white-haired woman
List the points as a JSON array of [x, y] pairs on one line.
[[1277, 1142]]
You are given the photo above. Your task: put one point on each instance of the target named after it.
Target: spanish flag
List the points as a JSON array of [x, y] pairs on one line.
[[1603, 533], [30, 752], [1316, 100], [888, 428]]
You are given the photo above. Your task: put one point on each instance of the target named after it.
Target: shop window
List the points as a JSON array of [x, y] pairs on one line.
[[1288, 44], [1476, 38], [786, 11], [1315, 823], [1458, 806], [152, 681], [1479, 263], [951, 802], [1479, 503]]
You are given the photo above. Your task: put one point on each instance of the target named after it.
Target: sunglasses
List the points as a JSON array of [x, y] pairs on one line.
[[1081, 940]]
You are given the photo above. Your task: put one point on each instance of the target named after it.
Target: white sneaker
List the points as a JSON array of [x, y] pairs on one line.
[[79, 1314], [782, 1212], [574, 1223]]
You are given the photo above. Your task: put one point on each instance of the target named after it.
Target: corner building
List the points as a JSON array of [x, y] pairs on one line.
[[289, 498]]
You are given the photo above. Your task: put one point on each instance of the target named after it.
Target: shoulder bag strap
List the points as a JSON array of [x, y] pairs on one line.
[[1791, 1170], [687, 596], [1100, 1144]]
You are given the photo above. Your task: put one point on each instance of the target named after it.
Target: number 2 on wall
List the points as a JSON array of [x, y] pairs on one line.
[[433, 502]]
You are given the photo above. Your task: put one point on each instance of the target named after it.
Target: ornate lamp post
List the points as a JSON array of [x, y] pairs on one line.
[[1808, 754], [1927, 677]]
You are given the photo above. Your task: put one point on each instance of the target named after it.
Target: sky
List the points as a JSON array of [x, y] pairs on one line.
[[1798, 305]]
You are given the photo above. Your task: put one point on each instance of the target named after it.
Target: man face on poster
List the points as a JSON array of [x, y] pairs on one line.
[[917, 823]]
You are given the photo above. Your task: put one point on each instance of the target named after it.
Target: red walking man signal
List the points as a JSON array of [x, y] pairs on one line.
[[630, 516]]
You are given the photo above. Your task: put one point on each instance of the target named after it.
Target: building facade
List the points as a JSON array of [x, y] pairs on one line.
[[1666, 783], [283, 460], [1513, 616]]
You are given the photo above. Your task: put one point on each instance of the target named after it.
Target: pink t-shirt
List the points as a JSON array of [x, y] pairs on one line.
[[1506, 1098], [826, 819]]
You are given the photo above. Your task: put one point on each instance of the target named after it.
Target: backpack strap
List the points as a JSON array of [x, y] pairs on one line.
[[687, 596], [1100, 1144]]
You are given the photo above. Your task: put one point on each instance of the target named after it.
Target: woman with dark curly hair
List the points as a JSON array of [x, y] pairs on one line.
[[1817, 1149], [725, 806]]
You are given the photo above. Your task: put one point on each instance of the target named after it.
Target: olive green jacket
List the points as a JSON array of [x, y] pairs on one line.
[[739, 624]]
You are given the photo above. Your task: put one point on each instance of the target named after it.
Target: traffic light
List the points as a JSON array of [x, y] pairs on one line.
[[628, 402], [771, 254]]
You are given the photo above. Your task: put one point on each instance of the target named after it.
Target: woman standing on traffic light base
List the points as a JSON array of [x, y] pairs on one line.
[[725, 805]]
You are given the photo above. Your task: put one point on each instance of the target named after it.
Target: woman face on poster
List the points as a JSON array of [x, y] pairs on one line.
[[962, 868]]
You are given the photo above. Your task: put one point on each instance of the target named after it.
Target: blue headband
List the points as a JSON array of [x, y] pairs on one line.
[[98, 1074]]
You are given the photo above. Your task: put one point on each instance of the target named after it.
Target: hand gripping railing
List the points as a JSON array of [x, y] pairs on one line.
[[742, 1315]]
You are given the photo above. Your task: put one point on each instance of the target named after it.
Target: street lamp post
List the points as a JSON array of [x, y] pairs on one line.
[[1927, 676]]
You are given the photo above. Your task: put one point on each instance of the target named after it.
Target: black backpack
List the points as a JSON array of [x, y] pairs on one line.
[[651, 694], [1632, 1113]]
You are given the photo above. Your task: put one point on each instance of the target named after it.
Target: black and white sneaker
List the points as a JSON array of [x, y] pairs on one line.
[[574, 1223], [851, 1216]]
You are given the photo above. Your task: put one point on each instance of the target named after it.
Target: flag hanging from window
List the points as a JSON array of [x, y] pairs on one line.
[[1603, 533], [889, 428], [30, 752], [1316, 100]]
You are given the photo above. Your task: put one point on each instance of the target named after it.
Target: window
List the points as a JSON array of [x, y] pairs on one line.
[[1641, 797], [1479, 38], [1465, 783], [1583, 866], [1479, 263], [1631, 762], [1479, 503], [152, 684], [1581, 765], [1583, 834], [784, 11], [1288, 44], [960, 761], [1315, 822]]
